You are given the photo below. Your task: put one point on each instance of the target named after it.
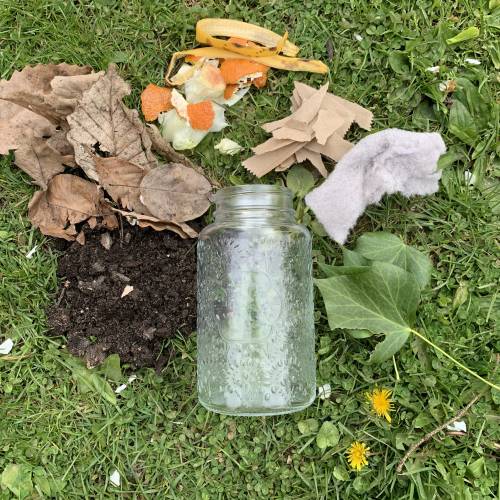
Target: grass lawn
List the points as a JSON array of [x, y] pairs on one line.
[[164, 444]]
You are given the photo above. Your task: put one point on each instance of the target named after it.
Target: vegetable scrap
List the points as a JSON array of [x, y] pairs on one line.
[[211, 78], [315, 128], [93, 157], [228, 147]]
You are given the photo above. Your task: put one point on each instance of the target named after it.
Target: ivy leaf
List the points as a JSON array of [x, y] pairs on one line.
[[328, 435], [300, 181], [461, 123], [17, 478], [382, 299], [388, 347], [353, 258], [386, 247]]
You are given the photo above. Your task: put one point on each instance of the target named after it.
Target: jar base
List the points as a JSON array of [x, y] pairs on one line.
[[256, 412]]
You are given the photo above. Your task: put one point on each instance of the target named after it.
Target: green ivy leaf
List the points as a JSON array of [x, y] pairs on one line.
[[386, 247], [352, 258], [461, 124], [328, 435], [467, 34], [17, 478], [111, 368], [382, 299], [299, 180], [388, 347]]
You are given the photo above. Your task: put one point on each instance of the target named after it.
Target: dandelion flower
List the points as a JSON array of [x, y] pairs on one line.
[[380, 400], [356, 455]]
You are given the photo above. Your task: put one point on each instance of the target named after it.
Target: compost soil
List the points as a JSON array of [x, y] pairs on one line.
[[98, 321]]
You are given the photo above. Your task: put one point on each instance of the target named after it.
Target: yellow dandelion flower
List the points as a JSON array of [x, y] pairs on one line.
[[380, 400], [356, 455]]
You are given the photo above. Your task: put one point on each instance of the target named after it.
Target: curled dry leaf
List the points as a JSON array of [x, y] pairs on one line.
[[175, 193], [67, 201], [184, 230], [121, 179], [102, 119]]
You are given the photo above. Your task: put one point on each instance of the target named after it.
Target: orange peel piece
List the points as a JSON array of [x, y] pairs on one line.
[[201, 115], [233, 70], [229, 91], [155, 100]]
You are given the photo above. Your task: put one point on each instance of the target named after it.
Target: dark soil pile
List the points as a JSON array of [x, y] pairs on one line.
[[98, 322]]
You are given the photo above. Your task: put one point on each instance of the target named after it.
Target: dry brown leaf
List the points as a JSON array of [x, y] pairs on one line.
[[81, 238], [121, 179], [67, 201], [34, 88], [102, 121], [19, 125], [40, 161], [161, 146], [175, 193], [142, 220], [51, 222]]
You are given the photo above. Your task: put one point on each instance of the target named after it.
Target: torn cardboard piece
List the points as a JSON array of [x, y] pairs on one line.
[[315, 128]]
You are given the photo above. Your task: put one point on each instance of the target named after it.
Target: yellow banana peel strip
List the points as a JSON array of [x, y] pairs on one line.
[[275, 61], [209, 31]]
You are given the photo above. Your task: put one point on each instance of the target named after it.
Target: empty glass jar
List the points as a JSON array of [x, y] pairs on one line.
[[255, 305]]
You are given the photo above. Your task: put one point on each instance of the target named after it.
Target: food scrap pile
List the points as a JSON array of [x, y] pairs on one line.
[[92, 156], [316, 127], [239, 56]]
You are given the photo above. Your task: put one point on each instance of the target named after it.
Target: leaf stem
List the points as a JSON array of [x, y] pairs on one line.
[[451, 358]]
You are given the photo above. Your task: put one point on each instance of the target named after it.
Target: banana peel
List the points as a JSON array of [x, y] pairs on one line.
[[270, 44], [268, 52]]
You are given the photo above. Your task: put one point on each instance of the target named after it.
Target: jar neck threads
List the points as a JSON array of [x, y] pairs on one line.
[[254, 202]]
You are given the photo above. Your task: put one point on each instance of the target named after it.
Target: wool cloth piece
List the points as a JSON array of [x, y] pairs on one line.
[[390, 161]]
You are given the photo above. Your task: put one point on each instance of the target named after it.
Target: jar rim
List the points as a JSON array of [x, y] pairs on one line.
[[252, 189]]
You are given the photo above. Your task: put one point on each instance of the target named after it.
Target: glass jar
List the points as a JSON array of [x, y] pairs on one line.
[[255, 305]]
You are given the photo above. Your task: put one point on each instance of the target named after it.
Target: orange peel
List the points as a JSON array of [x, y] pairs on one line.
[[201, 115], [155, 100]]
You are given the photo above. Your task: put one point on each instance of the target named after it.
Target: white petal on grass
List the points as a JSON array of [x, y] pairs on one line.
[[473, 62], [115, 478], [442, 86], [432, 69], [228, 147], [131, 378], [128, 289], [324, 391], [120, 388], [459, 426], [32, 252], [6, 347], [358, 37]]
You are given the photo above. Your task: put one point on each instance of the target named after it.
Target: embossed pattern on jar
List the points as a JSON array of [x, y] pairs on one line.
[[255, 306]]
